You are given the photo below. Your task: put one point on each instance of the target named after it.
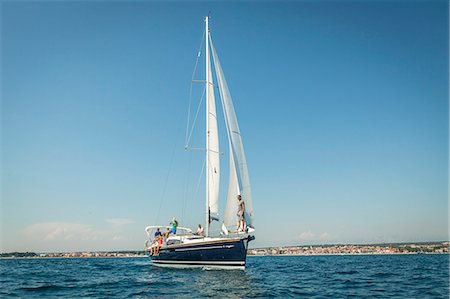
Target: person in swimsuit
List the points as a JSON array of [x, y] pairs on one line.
[[154, 250], [166, 233]]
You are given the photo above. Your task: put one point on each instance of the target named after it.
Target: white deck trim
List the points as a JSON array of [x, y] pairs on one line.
[[200, 264]]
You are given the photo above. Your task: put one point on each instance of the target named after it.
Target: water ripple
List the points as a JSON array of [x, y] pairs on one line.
[[389, 276]]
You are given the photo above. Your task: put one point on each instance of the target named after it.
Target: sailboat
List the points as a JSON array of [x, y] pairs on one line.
[[228, 250]]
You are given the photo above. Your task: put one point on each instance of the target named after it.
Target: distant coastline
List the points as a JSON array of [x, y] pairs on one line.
[[300, 250], [355, 249]]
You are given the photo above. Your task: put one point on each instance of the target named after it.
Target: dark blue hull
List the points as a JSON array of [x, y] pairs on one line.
[[228, 253]]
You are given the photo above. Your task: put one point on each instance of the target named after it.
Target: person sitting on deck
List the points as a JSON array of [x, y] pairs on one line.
[[199, 230], [154, 250], [174, 224], [166, 233], [240, 214]]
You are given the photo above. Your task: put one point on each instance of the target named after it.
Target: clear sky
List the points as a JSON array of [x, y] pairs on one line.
[[343, 108]]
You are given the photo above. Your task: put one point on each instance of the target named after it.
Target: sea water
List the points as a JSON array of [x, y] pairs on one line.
[[382, 276]]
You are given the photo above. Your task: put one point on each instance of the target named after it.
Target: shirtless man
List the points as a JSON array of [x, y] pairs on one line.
[[240, 214], [199, 230]]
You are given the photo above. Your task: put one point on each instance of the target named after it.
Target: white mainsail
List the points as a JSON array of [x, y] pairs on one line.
[[237, 153], [212, 142]]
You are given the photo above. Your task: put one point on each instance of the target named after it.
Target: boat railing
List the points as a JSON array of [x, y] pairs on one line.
[[184, 230], [184, 234]]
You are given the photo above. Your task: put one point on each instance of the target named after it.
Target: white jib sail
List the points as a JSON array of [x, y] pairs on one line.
[[212, 144], [237, 148], [230, 217]]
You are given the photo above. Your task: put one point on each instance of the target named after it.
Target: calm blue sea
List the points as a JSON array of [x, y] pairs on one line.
[[383, 276]]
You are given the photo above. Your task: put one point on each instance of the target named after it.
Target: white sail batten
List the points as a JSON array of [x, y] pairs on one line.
[[212, 142], [237, 148]]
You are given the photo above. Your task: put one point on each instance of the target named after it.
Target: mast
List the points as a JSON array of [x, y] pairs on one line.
[[207, 125], [212, 143]]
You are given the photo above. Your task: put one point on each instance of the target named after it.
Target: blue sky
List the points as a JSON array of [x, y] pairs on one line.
[[343, 108]]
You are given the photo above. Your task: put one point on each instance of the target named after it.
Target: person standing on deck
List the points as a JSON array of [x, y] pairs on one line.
[[240, 214], [174, 224]]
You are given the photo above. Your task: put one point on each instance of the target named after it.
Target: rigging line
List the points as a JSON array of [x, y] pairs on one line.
[[186, 186], [200, 178], [190, 87], [168, 173], [195, 118]]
